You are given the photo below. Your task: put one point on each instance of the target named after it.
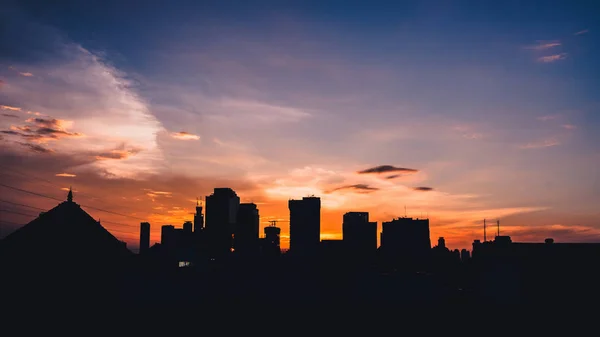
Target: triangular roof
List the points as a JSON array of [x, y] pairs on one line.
[[65, 234]]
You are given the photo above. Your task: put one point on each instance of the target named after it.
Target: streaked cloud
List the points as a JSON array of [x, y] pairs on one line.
[[8, 107], [10, 115], [552, 58], [547, 118], [184, 136], [581, 32], [387, 169], [423, 189], [540, 144], [543, 45], [26, 74], [65, 175], [569, 126], [361, 188], [36, 148]]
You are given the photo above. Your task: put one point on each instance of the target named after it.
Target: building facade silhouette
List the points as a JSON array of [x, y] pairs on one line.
[[305, 226], [220, 219], [144, 237]]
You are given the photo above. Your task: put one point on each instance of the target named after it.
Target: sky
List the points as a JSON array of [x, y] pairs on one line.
[[457, 111]]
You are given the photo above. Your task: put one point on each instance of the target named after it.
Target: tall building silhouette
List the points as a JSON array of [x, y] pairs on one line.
[[221, 216], [144, 237], [406, 241], [187, 227], [168, 236], [198, 218], [246, 240], [271, 242], [359, 235], [305, 226]]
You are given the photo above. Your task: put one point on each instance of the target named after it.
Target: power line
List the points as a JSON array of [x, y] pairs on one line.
[[90, 207], [17, 204], [9, 211], [33, 193], [30, 176]]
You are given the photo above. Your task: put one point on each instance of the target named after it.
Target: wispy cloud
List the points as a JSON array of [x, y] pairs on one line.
[[184, 136], [65, 175], [40, 130], [552, 58], [423, 189], [361, 188], [542, 45], [569, 126], [547, 118], [8, 107], [581, 32], [36, 148], [387, 169], [10, 115], [26, 74], [540, 144]]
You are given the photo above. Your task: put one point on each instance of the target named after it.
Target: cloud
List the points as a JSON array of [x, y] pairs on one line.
[[118, 153], [547, 118], [581, 32], [386, 169], [10, 115], [423, 189], [540, 144], [251, 112], [542, 45], [184, 136], [26, 74], [36, 148], [65, 175], [569, 126], [393, 176], [42, 130], [8, 107], [552, 58], [362, 188]]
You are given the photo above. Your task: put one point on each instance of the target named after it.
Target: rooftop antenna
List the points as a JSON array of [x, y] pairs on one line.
[[405, 211], [273, 223], [197, 201], [484, 232], [498, 222]]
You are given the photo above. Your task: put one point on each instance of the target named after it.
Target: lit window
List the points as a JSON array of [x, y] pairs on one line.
[[184, 264]]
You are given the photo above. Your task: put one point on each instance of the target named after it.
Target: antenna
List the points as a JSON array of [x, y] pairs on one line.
[[405, 211], [498, 222], [484, 233], [273, 223]]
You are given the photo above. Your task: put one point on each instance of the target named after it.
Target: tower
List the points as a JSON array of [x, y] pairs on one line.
[[198, 218], [144, 237], [70, 195], [305, 225]]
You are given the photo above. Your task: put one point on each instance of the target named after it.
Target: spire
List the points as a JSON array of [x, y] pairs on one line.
[[197, 202], [70, 195]]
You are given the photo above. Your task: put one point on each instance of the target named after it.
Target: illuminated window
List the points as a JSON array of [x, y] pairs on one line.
[[184, 264]]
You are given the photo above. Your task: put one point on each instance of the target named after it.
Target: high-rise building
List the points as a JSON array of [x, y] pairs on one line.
[[305, 225], [198, 218], [144, 237], [406, 240], [187, 227], [271, 242], [221, 216], [245, 237], [359, 235], [168, 236]]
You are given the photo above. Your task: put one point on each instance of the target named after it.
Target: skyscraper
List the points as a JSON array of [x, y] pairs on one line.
[[245, 237], [144, 237], [406, 240], [305, 225], [221, 216], [198, 218], [359, 235]]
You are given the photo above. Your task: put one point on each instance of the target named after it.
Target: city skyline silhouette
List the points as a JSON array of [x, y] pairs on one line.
[[369, 152]]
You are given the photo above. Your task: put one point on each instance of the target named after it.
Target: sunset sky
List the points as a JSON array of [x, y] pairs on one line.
[[481, 109]]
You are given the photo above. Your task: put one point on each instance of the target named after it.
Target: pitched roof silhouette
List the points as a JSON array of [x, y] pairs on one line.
[[64, 234]]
